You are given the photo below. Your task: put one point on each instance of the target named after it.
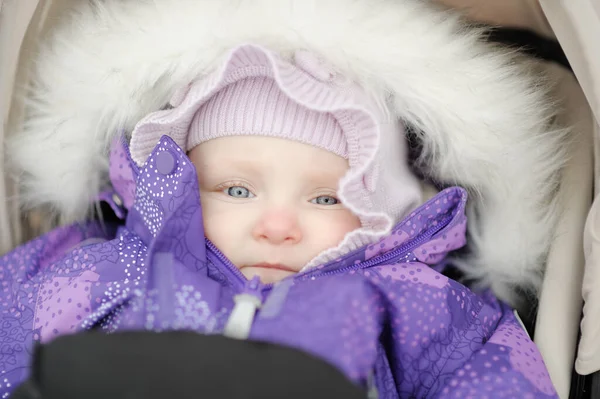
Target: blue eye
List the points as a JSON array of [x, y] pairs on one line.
[[325, 200], [239, 192]]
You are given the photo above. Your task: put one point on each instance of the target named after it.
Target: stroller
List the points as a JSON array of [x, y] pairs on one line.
[[574, 25]]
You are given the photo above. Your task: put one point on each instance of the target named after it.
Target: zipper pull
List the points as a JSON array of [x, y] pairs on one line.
[[242, 316]]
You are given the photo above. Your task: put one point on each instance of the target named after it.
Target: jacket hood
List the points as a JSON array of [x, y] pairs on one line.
[[481, 118]]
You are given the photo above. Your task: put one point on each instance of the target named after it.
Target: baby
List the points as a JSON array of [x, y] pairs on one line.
[[269, 204], [316, 239], [269, 171]]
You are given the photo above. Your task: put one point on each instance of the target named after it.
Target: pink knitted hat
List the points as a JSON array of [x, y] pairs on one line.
[[256, 106], [255, 91]]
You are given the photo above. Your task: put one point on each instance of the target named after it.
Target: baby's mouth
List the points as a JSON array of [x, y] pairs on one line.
[[274, 266]]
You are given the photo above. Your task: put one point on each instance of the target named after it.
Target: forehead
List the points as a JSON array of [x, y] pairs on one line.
[[256, 153]]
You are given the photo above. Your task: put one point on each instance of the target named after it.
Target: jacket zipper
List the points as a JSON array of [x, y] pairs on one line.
[[386, 257], [246, 303], [242, 315], [241, 280]]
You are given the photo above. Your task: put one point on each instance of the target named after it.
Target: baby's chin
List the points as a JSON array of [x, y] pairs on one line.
[[267, 276]]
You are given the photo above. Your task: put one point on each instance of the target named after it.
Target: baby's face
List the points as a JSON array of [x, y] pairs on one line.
[[270, 204]]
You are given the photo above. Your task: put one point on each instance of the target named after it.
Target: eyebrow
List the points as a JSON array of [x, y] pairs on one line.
[[245, 165], [318, 176], [324, 177]]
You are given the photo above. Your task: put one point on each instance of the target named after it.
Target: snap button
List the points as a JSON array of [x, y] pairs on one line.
[[165, 163]]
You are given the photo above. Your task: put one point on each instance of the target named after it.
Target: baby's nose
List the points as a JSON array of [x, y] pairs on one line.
[[278, 227]]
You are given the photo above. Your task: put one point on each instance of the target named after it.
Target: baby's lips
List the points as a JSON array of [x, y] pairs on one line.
[[274, 266]]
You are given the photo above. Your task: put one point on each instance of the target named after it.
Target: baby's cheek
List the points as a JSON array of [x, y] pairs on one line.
[[219, 224], [214, 231], [334, 227], [348, 222]]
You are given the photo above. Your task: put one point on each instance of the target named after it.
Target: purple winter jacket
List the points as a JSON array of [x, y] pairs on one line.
[[383, 315]]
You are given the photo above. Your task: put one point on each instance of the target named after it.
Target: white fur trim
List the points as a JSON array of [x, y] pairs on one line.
[[482, 119]]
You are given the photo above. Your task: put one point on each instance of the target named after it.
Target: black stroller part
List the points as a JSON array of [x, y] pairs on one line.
[[594, 385], [178, 365], [106, 214], [585, 386], [530, 43]]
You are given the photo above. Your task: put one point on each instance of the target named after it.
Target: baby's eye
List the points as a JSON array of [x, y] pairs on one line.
[[238, 192], [325, 200]]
